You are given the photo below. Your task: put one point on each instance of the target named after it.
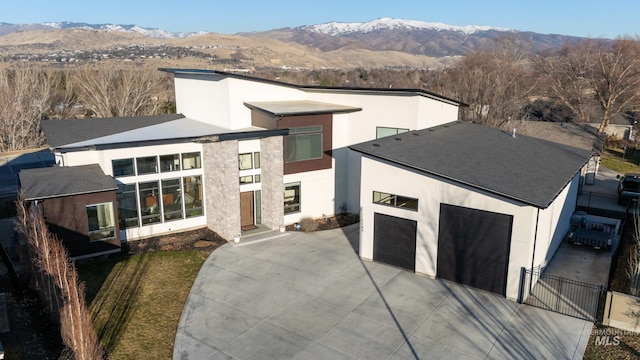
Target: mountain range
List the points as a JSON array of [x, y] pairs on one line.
[[394, 39]]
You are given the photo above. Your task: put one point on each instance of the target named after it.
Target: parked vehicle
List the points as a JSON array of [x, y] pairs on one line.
[[628, 188]]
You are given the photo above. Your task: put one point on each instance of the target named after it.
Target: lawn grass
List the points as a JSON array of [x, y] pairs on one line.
[[136, 301], [613, 159]]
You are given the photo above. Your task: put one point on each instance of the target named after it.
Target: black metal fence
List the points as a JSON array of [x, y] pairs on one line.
[[562, 295]]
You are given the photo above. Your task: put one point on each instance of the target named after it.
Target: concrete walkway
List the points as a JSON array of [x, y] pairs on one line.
[[309, 296]]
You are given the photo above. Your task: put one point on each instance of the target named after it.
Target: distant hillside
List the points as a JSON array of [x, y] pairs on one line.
[[414, 37], [379, 43]]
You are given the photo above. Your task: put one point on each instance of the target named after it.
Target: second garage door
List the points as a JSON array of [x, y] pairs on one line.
[[394, 241], [473, 247]]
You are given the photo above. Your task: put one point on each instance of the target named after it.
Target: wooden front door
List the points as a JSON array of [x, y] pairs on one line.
[[246, 208]]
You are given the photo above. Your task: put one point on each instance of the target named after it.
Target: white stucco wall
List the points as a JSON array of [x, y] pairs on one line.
[[220, 100], [431, 192], [317, 189]]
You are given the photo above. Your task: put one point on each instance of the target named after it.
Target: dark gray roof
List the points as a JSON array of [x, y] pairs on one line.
[[581, 136], [69, 131], [59, 181], [526, 169]]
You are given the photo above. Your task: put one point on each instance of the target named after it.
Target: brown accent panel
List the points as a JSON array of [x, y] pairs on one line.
[[326, 120], [246, 208], [66, 218]]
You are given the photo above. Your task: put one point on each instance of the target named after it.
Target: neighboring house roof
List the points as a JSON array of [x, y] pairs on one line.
[[59, 181], [526, 169], [299, 107], [62, 132], [581, 136], [315, 88]]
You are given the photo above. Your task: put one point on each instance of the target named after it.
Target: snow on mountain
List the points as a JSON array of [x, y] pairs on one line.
[[151, 32], [339, 28]]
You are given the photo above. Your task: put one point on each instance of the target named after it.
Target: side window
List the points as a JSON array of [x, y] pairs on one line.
[[101, 221], [292, 198]]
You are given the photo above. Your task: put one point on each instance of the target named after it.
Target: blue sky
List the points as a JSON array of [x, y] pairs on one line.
[[587, 18]]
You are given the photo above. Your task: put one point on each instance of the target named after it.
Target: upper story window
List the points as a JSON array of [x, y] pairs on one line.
[[388, 131], [169, 162], [122, 167], [191, 161], [303, 143], [147, 165], [398, 201]]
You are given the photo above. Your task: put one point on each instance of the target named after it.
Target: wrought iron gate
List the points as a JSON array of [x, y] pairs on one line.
[[562, 295]]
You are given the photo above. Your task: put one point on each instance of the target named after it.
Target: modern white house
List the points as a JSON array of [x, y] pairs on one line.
[[240, 152], [467, 203]]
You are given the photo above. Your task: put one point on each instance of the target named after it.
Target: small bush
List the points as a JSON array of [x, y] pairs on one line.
[[307, 224]]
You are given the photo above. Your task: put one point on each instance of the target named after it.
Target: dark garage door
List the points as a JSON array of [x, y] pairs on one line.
[[473, 247], [394, 241]]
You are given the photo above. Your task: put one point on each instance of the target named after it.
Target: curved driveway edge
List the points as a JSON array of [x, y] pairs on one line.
[[309, 296]]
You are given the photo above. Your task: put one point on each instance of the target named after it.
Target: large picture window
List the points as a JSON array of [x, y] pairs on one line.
[[388, 131], [292, 198], [303, 143], [171, 199], [149, 204], [101, 221], [127, 206], [395, 200], [193, 195]]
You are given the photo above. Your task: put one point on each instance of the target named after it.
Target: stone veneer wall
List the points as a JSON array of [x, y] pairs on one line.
[[271, 167], [222, 187]]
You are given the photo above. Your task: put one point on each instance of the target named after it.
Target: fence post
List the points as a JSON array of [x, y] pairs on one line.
[[523, 276]]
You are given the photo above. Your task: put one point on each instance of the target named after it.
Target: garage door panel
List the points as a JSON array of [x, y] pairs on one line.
[[394, 241], [473, 247]]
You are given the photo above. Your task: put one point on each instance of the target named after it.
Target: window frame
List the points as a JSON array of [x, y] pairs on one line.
[[243, 159], [393, 200], [396, 132], [301, 132], [110, 228], [293, 204], [120, 173]]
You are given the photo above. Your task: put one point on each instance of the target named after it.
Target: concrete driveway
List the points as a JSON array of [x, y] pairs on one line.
[[309, 296]]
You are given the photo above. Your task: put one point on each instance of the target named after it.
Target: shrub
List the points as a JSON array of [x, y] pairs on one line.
[[308, 224]]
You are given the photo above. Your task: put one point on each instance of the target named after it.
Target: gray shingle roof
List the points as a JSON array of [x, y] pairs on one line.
[[69, 131], [526, 169], [59, 181]]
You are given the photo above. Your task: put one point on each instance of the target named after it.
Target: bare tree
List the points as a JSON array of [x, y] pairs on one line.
[[592, 73], [495, 84], [25, 99], [116, 90], [55, 278], [615, 77]]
